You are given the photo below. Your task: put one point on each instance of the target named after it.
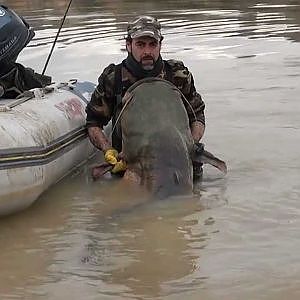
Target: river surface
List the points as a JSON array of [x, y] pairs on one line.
[[239, 237]]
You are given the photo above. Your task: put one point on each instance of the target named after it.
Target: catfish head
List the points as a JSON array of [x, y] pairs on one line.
[[163, 166]]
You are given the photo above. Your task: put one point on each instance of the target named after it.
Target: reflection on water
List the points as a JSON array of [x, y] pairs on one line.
[[147, 251], [92, 20], [238, 238], [210, 29]]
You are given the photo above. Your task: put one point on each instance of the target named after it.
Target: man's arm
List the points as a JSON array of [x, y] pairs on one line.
[[98, 138], [197, 129], [99, 112], [99, 109], [184, 81], [196, 108]]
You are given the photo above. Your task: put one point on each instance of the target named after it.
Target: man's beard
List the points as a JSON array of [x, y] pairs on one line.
[[136, 68], [147, 63]]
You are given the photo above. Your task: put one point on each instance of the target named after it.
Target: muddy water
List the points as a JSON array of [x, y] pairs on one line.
[[238, 238]]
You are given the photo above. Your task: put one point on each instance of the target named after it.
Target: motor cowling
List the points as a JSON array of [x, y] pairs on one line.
[[15, 34]]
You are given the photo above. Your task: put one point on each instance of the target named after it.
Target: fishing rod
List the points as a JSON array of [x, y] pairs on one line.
[[59, 29]]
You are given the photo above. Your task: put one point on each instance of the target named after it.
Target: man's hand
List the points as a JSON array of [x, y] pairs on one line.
[[111, 156], [120, 166]]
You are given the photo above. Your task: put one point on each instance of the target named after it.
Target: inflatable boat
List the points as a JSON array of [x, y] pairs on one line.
[[43, 138]]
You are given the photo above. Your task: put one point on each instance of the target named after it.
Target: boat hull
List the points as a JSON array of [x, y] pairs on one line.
[[42, 140]]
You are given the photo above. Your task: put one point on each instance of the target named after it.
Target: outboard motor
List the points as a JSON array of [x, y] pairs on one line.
[[15, 34]]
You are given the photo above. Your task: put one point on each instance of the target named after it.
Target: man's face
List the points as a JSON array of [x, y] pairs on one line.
[[145, 50]]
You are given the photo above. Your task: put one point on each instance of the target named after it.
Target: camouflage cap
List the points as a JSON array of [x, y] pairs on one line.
[[144, 26]]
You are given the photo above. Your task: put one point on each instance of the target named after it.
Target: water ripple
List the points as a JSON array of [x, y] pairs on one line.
[[257, 23]]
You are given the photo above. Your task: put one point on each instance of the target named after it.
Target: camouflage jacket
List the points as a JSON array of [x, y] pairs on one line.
[[15, 79], [101, 107]]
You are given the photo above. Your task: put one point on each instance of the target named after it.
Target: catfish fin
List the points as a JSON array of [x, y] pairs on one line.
[[202, 156], [208, 158]]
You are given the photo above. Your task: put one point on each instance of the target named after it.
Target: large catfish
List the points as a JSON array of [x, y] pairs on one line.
[[157, 144]]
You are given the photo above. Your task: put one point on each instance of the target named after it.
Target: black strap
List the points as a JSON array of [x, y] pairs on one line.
[[169, 73], [117, 134], [2, 90]]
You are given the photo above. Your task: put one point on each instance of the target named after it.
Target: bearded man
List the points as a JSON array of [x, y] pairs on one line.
[[143, 45]]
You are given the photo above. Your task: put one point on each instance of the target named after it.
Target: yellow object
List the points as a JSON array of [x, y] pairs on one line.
[[111, 156], [119, 166]]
